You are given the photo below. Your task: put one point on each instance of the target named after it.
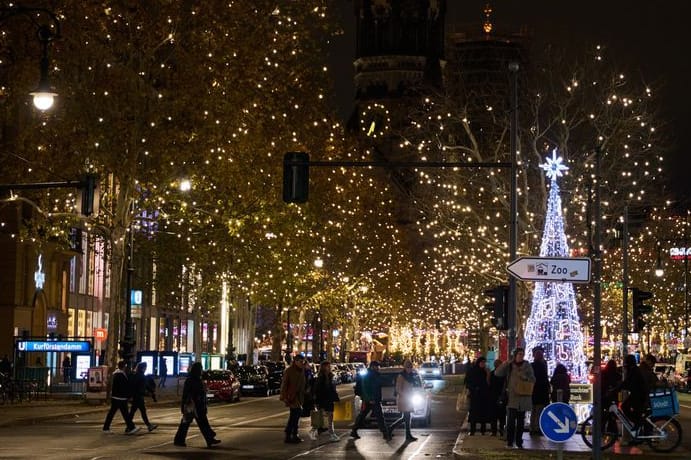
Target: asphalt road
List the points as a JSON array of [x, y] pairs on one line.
[[249, 429]]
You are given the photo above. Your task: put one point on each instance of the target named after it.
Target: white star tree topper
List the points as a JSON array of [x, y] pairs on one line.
[[554, 166]]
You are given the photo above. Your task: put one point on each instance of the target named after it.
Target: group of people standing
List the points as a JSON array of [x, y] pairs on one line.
[[301, 392], [501, 397]]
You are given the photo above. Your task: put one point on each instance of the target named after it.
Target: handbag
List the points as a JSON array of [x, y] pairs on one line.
[[524, 388], [317, 419], [188, 408]]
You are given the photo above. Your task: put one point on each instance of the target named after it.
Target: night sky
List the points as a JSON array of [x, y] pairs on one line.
[[644, 37]]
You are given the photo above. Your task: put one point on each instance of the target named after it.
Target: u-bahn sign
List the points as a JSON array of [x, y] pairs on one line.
[[53, 345], [566, 269]]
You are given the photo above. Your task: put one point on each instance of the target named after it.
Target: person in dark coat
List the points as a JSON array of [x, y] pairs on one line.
[[293, 396], [325, 395], [540, 390], [194, 395], [162, 373], [499, 396], [560, 381], [119, 394], [477, 381], [371, 402], [634, 405], [140, 386], [610, 379], [66, 368]]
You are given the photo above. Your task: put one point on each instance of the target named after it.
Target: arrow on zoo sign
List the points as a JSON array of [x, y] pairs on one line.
[[563, 427], [568, 269]]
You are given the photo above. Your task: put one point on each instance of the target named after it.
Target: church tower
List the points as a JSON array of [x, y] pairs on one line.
[[399, 44]]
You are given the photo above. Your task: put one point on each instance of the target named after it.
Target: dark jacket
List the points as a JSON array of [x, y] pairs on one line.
[[371, 386], [194, 390], [325, 394], [121, 386], [293, 387], [142, 385], [561, 381], [477, 382], [541, 388], [610, 378], [637, 387]]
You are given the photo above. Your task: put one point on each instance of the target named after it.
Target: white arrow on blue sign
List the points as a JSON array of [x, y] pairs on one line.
[[558, 422]]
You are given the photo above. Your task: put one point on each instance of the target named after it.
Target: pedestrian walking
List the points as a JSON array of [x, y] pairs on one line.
[[519, 383], [66, 367], [141, 385], [560, 381], [477, 381], [293, 396], [162, 373], [541, 391], [325, 395], [405, 384], [498, 399], [193, 407], [119, 394], [370, 389]]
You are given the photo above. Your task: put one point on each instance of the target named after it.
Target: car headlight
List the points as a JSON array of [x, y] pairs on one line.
[[436, 371], [417, 400], [363, 372]]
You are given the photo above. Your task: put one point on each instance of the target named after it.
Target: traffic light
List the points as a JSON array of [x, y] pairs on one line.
[[296, 177], [639, 308], [88, 186], [499, 304]]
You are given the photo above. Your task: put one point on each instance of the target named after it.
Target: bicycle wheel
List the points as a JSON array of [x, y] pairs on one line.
[[670, 430], [607, 439]]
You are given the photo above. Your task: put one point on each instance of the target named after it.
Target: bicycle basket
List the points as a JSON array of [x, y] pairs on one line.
[[664, 402]]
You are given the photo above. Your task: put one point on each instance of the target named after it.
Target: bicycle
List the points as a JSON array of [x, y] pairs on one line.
[[660, 430]]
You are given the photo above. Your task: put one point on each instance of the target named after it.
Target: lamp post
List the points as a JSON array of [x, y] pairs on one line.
[[513, 231], [43, 95]]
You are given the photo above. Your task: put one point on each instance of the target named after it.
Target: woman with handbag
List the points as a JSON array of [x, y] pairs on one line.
[[193, 407], [520, 380], [325, 395]]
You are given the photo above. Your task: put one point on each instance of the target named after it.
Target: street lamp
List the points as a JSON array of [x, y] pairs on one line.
[[659, 271], [43, 95]]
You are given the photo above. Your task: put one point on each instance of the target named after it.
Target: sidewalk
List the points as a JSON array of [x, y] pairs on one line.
[[66, 405], [539, 447]]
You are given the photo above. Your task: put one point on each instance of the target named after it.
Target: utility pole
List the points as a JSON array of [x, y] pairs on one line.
[[597, 327], [513, 231]]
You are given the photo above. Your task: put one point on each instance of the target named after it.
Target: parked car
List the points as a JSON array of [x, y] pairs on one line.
[[665, 372], [221, 386], [430, 370], [254, 380], [276, 370], [421, 398], [344, 372]]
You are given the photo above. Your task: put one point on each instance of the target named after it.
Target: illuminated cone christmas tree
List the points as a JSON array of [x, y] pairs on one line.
[[553, 322]]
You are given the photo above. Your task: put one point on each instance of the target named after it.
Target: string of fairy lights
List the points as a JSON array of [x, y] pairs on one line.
[[430, 270]]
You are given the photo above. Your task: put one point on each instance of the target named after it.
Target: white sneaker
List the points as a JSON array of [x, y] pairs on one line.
[[334, 437], [313, 435], [108, 432], [133, 430]]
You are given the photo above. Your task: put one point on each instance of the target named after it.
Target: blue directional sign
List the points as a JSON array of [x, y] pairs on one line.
[[53, 345], [558, 422]]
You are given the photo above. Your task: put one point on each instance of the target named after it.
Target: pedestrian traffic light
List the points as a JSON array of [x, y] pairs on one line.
[[499, 306], [296, 177], [640, 309], [88, 186]]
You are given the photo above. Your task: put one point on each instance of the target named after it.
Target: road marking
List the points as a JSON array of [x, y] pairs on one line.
[[422, 444]]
